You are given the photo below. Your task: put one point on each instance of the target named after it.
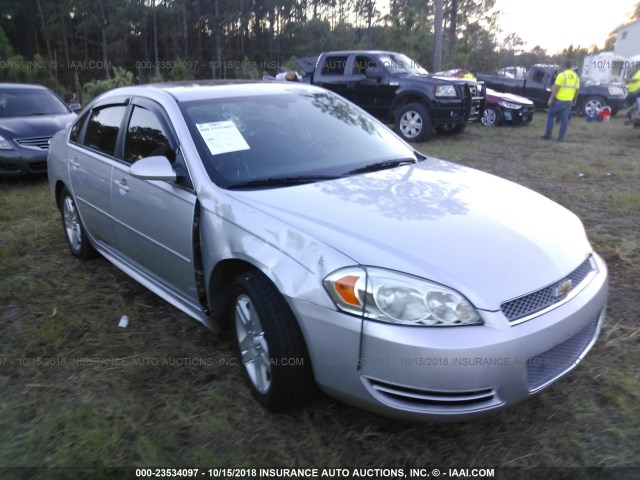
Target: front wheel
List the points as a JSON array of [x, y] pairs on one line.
[[75, 233], [270, 343], [491, 117], [413, 123]]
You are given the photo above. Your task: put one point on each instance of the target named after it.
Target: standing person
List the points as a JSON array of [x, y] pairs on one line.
[[564, 94], [633, 87]]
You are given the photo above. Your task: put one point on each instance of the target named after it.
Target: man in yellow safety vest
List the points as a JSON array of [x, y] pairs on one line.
[[564, 94], [633, 86]]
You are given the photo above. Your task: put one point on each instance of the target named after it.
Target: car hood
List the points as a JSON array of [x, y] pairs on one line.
[[488, 238], [35, 126], [444, 78], [509, 97]]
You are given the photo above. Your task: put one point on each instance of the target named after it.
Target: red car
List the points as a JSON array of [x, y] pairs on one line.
[[501, 108]]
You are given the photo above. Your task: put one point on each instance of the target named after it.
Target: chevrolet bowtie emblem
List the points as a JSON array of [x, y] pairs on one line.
[[564, 287]]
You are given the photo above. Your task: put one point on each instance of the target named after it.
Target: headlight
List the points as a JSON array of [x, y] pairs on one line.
[[513, 106], [615, 90], [4, 144], [445, 91], [393, 297]]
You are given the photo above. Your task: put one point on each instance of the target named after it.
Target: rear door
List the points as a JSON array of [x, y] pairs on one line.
[[91, 158], [154, 219], [538, 86], [332, 74]]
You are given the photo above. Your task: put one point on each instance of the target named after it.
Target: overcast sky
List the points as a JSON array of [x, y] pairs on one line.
[[556, 24]]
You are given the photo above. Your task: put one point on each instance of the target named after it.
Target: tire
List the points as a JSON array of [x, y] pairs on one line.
[[491, 117], [452, 129], [413, 123], [592, 103], [270, 344], [74, 231]]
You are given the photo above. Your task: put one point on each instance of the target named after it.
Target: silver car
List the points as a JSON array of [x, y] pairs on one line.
[[341, 257]]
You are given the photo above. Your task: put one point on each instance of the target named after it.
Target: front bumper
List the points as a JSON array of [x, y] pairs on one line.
[[22, 161], [447, 374], [518, 116]]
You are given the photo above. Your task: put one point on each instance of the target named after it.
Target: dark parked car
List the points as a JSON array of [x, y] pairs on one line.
[[29, 116], [502, 108]]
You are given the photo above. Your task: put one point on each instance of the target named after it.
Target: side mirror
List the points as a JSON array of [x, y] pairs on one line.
[[374, 73], [153, 168], [75, 107]]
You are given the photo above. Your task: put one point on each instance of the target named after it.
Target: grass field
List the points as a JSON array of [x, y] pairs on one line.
[[157, 408]]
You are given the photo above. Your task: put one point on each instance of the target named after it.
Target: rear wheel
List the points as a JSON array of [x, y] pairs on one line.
[[75, 233], [413, 123], [270, 344], [592, 106]]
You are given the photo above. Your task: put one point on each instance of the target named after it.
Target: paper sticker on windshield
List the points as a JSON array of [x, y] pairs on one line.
[[222, 137]]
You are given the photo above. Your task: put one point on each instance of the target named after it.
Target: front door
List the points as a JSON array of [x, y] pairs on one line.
[[154, 218]]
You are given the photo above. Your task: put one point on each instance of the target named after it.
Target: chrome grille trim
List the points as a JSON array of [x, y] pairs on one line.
[[399, 396], [35, 143], [534, 304]]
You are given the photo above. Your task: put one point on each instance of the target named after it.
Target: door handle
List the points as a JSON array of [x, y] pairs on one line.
[[75, 164], [122, 185]]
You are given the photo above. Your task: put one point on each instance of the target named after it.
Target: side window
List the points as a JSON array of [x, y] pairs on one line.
[[102, 129], [146, 137], [361, 64], [77, 128], [334, 65], [538, 76]]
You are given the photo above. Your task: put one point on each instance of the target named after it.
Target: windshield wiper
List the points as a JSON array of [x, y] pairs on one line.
[[374, 167], [281, 181]]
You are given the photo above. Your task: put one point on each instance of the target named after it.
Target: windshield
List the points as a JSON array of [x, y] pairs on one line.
[[27, 102], [397, 63], [298, 134]]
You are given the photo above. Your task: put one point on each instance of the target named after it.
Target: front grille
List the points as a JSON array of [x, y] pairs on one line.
[[432, 400], [546, 367], [526, 305], [36, 143]]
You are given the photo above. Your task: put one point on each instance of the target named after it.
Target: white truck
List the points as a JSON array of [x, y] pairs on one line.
[[604, 68]]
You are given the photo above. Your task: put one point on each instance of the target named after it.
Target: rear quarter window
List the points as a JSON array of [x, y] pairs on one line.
[[76, 130], [103, 127]]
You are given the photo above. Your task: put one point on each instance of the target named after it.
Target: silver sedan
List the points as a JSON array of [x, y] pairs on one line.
[[341, 257]]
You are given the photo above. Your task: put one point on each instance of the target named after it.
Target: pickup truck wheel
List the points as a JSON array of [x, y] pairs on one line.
[[271, 346], [592, 105], [413, 123], [491, 117], [452, 129]]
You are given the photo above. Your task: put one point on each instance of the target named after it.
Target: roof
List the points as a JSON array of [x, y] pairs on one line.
[[208, 89], [21, 86]]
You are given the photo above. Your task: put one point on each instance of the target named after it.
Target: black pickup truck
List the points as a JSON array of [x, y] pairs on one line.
[[537, 86], [394, 88]]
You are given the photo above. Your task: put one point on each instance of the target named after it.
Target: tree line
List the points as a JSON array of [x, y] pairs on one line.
[[76, 45]]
